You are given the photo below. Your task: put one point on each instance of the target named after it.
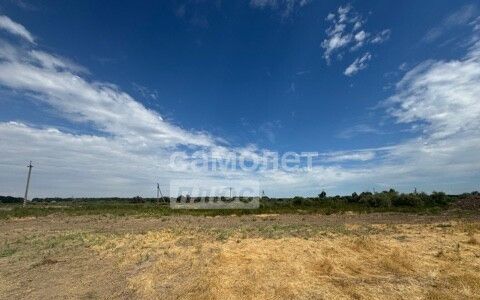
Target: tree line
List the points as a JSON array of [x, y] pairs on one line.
[[388, 198]]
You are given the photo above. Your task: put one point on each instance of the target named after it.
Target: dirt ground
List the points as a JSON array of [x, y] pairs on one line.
[[367, 256]]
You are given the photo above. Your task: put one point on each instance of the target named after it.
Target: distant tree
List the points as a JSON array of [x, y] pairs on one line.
[[10, 199], [392, 191], [439, 198], [136, 199], [297, 200], [354, 198], [322, 195]]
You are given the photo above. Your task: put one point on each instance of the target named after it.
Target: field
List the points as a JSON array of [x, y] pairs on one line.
[[378, 255]]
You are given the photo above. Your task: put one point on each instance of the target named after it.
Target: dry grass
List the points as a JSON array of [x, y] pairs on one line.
[[235, 258], [376, 266]]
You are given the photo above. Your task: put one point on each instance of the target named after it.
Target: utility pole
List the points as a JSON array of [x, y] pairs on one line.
[[28, 183], [159, 193], [230, 193]]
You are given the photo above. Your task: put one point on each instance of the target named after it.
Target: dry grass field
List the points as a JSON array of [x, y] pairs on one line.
[[341, 256]]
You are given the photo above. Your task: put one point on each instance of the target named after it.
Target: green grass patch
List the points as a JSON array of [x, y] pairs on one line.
[[7, 251], [150, 209]]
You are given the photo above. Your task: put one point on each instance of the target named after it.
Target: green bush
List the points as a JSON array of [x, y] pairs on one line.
[[439, 198], [412, 200], [297, 201]]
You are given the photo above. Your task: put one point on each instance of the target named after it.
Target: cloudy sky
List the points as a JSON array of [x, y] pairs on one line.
[[100, 95]]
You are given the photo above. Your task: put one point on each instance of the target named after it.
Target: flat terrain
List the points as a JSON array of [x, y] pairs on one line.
[[266, 256]]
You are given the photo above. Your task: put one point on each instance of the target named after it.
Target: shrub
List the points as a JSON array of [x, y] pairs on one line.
[[376, 200], [413, 200], [439, 198], [383, 200], [354, 198], [297, 201]]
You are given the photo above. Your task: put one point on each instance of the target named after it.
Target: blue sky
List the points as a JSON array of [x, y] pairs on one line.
[[101, 94]]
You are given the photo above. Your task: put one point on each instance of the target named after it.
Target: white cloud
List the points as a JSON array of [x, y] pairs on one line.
[[263, 3], [146, 92], [52, 81], [347, 32], [16, 29], [358, 64], [337, 36], [336, 41], [476, 24], [268, 129], [360, 38], [343, 13], [341, 156], [53, 62], [358, 129], [403, 66], [357, 25], [330, 17], [381, 37], [442, 94], [285, 6], [463, 16]]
